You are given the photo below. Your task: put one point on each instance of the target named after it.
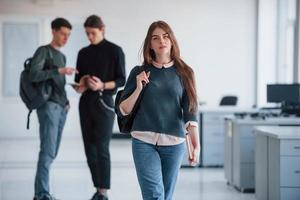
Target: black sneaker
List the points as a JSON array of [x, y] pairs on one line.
[[98, 196], [45, 198], [102, 197], [95, 196], [50, 198]]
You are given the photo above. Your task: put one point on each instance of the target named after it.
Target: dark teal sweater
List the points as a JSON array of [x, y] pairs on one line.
[[164, 106], [55, 59]]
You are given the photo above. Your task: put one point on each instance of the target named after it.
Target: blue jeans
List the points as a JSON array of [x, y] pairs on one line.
[[52, 117], [157, 168]]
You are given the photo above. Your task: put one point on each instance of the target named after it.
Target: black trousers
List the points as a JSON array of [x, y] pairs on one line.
[[97, 119]]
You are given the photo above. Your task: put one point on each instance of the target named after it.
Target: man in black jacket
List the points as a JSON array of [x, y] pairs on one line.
[[101, 67]]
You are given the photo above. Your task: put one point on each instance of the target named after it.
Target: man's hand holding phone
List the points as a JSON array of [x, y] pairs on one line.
[[94, 83], [67, 70]]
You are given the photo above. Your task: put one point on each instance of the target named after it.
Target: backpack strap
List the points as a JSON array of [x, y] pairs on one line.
[[50, 54], [26, 63], [52, 67], [28, 119]]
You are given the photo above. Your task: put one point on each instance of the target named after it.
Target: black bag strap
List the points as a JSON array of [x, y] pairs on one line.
[[137, 103], [50, 53], [52, 67], [25, 64], [28, 119]]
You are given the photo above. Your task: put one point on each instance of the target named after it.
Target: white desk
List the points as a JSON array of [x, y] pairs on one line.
[[212, 133], [240, 145], [277, 163]]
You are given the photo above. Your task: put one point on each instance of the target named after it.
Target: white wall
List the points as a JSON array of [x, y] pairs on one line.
[[217, 39]]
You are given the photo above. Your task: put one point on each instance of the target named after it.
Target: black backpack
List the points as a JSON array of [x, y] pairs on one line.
[[34, 94]]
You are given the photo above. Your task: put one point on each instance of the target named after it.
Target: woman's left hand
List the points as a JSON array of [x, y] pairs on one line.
[[195, 159], [195, 144]]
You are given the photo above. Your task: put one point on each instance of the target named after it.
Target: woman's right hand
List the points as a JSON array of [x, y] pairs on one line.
[[128, 104], [141, 78]]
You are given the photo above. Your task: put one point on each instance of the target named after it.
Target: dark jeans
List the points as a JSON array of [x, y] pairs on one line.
[[52, 117], [96, 121]]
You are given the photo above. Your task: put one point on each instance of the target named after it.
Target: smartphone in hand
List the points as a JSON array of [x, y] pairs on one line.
[[74, 84]]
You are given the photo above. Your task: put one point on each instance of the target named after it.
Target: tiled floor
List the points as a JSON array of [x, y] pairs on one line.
[[70, 178]]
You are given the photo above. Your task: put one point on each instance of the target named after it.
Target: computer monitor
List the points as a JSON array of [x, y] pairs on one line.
[[277, 93]]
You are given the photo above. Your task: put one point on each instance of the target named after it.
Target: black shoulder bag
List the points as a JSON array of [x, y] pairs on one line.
[[125, 122]]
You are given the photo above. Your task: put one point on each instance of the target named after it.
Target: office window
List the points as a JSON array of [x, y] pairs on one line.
[[19, 42], [286, 40]]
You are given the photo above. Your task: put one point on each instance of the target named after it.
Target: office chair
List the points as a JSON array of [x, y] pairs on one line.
[[229, 101]]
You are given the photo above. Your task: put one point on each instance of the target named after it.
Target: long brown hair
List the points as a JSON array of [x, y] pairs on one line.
[[185, 72]]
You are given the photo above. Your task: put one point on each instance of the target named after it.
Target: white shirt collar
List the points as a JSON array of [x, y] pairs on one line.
[[159, 65]]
